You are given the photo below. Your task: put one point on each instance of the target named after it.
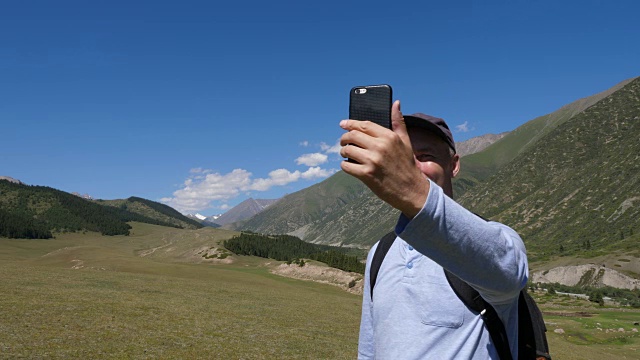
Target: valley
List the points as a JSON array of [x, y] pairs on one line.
[[166, 304], [153, 294]]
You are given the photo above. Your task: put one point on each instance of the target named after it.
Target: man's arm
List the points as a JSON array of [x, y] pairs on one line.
[[488, 255]]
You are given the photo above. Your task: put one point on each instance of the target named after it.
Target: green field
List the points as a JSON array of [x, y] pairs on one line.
[[589, 331], [152, 295], [117, 304]]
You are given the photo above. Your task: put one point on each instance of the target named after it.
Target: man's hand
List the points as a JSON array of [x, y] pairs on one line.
[[385, 162]]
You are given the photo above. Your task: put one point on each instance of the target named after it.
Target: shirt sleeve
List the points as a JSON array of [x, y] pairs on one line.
[[366, 349], [487, 255]]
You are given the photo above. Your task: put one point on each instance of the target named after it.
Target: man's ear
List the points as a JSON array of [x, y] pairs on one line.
[[455, 165]]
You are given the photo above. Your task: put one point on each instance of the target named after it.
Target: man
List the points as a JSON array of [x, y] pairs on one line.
[[414, 313]]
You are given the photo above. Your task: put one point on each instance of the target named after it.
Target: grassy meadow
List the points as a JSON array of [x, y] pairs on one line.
[[153, 295], [118, 304], [589, 331]]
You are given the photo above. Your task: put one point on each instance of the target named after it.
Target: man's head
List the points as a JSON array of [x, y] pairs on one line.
[[434, 149]]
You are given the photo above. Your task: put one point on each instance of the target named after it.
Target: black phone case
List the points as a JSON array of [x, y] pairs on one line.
[[374, 104]]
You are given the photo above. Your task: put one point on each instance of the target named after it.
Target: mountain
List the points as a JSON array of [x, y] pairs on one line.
[[203, 220], [212, 218], [37, 211], [84, 196], [196, 217], [242, 211], [341, 210], [154, 210], [477, 143], [576, 189], [12, 180], [479, 166]]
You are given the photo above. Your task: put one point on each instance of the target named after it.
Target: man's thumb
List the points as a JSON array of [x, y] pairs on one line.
[[397, 120]]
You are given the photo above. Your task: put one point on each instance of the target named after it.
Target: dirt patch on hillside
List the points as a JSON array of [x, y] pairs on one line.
[[214, 255], [349, 281], [588, 274], [622, 261]]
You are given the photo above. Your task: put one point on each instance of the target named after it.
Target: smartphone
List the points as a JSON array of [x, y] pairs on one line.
[[371, 102]]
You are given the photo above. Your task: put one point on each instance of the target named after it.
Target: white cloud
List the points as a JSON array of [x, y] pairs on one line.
[[335, 149], [463, 127], [276, 177], [314, 159], [199, 170], [198, 193], [304, 143], [317, 173], [201, 192]]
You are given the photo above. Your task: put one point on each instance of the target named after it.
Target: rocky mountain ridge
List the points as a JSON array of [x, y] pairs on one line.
[[478, 143], [242, 211]]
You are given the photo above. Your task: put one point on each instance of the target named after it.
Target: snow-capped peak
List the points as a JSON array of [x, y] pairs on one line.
[[201, 217]]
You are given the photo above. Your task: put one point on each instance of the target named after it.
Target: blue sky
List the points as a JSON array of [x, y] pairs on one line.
[[202, 104]]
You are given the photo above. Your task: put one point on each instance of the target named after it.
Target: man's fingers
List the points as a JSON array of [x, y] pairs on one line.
[[357, 138], [397, 121], [359, 158], [352, 152], [367, 127], [349, 167]]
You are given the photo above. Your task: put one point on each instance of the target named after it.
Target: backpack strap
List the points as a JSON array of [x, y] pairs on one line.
[[474, 301], [381, 251], [532, 341]]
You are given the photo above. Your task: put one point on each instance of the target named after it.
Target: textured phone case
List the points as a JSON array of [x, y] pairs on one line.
[[373, 105]]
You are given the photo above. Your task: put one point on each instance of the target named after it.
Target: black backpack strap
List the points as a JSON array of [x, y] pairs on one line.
[[382, 250], [532, 342], [474, 301]]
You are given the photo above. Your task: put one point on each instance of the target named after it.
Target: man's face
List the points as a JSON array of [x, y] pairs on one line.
[[433, 157]]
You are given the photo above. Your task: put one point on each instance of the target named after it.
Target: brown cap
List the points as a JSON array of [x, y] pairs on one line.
[[434, 124]]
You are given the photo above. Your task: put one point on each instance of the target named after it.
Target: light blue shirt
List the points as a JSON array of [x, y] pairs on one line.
[[414, 313]]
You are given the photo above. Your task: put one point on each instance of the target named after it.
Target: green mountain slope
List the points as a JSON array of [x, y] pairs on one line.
[[576, 189], [334, 211], [36, 211], [359, 222], [479, 166], [154, 210]]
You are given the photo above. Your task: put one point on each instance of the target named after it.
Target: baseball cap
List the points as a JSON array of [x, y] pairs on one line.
[[431, 123]]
